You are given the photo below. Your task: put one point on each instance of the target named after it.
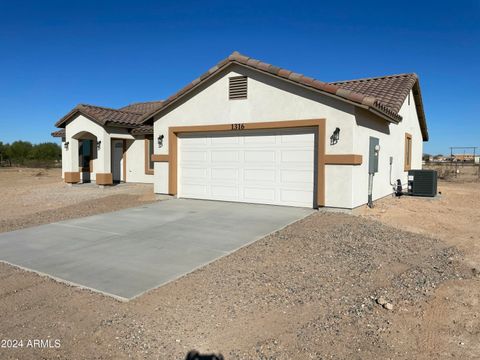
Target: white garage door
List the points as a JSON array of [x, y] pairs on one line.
[[268, 167]]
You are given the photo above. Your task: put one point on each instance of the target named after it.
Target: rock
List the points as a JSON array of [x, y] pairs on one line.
[[388, 306], [381, 300]]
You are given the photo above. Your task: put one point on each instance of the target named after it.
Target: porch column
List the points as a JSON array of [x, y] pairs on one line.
[[103, 173], [71, 174]]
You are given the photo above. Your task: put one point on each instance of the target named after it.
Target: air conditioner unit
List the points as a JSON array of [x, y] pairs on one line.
[[422, 182]]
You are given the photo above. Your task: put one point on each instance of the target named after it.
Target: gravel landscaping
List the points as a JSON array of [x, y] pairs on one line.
[[331, 286], [39, 196], [310, 290]]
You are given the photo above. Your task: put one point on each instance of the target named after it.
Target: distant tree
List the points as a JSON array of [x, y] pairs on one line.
[[46, 151], [3, 148], [19, 151]]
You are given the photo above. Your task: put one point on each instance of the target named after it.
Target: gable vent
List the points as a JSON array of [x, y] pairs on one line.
[[237, 87]]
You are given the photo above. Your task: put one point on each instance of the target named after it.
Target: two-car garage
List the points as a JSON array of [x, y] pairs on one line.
[[270, 166]]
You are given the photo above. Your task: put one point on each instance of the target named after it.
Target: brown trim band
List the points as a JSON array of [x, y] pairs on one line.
[[343, 159], [160, 158], [318, 123], [248, 126], [148, 171], [71, 177], [104, 179]]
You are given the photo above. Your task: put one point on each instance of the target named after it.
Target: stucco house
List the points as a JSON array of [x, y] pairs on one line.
[[252, 132]]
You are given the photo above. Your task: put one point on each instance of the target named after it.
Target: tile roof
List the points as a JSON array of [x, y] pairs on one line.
[[369, 101], [142, 130], [143, 107], [390, 90], [382, 95], [103, 115], [59, 133]]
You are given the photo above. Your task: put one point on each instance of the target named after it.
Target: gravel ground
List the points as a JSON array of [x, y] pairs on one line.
[[39, 196], [310, 290], [320, 288]]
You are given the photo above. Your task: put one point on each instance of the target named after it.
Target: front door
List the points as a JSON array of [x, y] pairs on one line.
[[117, 160], [85, 152]]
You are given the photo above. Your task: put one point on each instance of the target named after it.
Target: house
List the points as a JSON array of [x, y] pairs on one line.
[[440, 158], [465, 158], [252, 132]]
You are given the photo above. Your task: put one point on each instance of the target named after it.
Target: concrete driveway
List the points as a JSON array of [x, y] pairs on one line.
[[128, 252]]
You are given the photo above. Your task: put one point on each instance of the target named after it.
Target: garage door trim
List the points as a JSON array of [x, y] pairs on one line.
[[319, 124]]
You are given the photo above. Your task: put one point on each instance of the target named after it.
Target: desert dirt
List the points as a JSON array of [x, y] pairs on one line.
[[38, 196], [309, 291]]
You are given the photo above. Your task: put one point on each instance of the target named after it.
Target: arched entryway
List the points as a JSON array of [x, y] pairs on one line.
[[87, 154]]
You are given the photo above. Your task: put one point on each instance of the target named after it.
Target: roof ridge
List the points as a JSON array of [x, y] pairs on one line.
[[376, 78], [110, 109], [142, 102]]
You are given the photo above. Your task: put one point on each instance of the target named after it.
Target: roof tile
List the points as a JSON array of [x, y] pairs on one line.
[[390, 91], [295, 76], [284, 73]]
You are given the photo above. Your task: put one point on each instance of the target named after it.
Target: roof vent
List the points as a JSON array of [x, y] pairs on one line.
[[237, 87]]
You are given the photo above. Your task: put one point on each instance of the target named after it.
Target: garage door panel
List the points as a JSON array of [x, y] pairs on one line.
[[196, 142], [224, 140], [259, 140], [270, 167], [224, 174], [297, 156], [295, 139], [264, 175], [304, 177], [296, 196], [195, 173], [223, 192], [259, 156], [194, 190], [258, 194], [225, 156], [194, 155]]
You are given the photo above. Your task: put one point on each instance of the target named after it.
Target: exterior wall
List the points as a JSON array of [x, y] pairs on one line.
[[64, 158], [80, 126], [392, 143], [269, 99], [136, 161]]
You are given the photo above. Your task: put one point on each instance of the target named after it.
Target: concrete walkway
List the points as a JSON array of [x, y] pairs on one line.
[[128, 252]]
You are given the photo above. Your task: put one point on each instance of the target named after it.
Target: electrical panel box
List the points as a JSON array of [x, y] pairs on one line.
[[373, 155], [422, 183]]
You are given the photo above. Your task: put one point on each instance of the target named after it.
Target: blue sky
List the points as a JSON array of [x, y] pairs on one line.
[[55, 54]]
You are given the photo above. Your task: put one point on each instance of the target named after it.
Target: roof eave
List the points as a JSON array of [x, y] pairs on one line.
[[383, 115], [76, 111], [417, 95]]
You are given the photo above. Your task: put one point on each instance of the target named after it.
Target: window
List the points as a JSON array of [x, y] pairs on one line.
[[237, 87], [148, 154], [408, 152]]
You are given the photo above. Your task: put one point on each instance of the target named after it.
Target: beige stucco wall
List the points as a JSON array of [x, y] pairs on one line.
[[392, 143], [64, 158], [269, 99], [136, 161]]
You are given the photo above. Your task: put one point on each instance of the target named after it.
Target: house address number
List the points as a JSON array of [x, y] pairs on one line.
[[238, 126]]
